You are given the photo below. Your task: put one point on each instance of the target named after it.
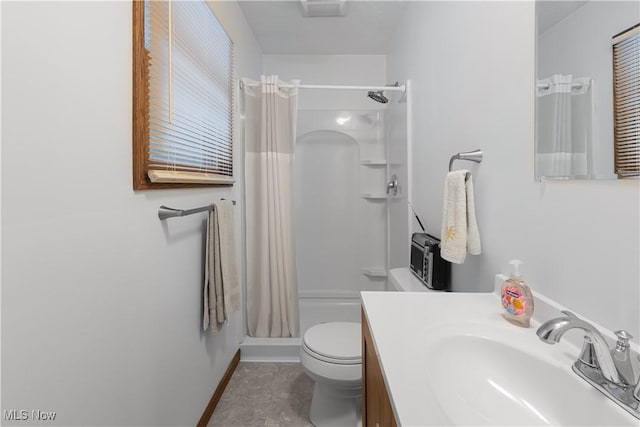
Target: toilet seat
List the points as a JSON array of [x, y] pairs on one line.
[[334, 342], [324, 358]]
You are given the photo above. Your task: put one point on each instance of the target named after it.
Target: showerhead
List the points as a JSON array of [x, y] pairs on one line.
[[378, 96]]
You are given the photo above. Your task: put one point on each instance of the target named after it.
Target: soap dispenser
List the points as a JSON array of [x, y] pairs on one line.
[[517, 300]]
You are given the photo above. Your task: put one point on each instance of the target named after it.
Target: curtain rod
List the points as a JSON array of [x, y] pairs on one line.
[[286, 85], [548, 85], [385, 88], [165, 212]]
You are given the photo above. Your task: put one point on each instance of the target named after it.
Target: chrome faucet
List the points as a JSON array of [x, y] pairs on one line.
[[609, 371], [622, 359], [594, 353]]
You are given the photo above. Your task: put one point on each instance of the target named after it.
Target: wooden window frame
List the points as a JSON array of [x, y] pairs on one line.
[[140, 111], [634, 174]]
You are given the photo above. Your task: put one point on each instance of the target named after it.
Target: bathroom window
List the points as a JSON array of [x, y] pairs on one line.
[[182, 96], [626, 100]]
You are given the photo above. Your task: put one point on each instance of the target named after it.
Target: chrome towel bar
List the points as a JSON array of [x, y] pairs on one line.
[[472, 156], [165, 212]]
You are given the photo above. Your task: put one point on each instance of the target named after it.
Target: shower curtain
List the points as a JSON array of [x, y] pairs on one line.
[[564, 127], [270, 134]]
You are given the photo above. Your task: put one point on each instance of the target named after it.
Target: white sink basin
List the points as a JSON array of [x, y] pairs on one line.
[[485, 379], [450, 359]]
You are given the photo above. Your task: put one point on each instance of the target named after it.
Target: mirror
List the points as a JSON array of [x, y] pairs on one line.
[[574, 86]]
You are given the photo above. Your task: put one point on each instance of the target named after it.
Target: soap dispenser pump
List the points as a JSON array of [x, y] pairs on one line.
[[517, 299]]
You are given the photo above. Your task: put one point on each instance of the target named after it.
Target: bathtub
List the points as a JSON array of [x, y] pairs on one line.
[[313, 310]]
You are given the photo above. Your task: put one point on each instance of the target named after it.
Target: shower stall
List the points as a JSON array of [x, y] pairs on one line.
[[351, 227], [340, 204]]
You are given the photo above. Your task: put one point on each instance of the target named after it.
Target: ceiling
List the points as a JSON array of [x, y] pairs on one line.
[[367, 27], [550, 12]]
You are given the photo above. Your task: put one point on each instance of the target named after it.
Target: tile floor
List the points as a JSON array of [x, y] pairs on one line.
[[265, 394]]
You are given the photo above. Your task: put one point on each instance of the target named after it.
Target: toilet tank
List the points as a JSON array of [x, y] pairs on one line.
[[403, 280]]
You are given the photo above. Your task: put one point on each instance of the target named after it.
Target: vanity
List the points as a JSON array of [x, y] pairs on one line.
[[450, 359], [376, 405]]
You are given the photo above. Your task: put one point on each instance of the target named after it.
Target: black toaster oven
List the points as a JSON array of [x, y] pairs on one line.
[[427, 264]]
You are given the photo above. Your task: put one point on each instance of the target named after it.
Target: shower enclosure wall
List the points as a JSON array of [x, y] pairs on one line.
[[340, 212]]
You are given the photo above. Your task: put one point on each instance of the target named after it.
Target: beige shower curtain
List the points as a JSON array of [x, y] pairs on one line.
[[270, 133]]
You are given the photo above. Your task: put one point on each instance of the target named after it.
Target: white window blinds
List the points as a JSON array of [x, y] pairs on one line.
[[626, 89], [190, 94]]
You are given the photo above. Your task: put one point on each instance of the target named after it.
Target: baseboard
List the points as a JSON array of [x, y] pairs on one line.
[[208, 411], [271, 349]]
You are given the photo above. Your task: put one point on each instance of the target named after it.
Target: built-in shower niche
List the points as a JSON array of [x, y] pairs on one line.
[[340, 208]]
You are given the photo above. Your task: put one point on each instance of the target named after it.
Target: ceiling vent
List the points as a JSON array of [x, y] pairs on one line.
[[323, 8]]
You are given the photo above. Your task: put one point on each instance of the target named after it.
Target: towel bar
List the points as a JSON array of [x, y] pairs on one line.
[[165, 212], [472, 156]]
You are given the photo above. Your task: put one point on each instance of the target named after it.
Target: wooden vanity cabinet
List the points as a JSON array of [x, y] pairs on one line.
[[376, 406]]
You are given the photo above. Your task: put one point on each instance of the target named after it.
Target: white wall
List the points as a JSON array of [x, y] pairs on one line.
[[580, 45], [580, 240], [101, 307]]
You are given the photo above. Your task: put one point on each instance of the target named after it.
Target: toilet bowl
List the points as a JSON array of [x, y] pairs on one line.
[[331, 355]]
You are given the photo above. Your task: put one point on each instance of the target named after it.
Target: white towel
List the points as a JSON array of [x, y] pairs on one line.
[[459, 233], [221, 288]]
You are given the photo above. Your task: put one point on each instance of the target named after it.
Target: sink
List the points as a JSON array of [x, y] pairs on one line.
[[450, 359], [489, 376]]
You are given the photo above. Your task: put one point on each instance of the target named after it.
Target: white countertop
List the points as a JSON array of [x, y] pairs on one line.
[[401, 323], [397, 321]]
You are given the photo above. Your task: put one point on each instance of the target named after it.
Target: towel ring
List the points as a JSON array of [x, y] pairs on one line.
[[472, 156]]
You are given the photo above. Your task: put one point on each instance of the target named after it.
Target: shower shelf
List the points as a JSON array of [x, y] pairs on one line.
[[373, 162], [374, 196], [375, 272]]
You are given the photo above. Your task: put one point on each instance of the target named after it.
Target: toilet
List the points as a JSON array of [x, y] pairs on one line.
[[331, 355]]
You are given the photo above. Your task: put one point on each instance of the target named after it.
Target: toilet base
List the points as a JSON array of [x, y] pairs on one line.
[[333, 407]]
